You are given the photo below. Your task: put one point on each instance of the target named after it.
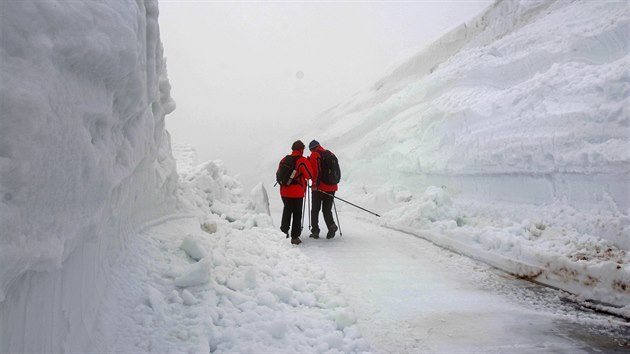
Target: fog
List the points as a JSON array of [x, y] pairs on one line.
[[245, 74]]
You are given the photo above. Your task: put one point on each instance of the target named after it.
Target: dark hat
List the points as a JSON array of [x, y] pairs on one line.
[[313, 144]]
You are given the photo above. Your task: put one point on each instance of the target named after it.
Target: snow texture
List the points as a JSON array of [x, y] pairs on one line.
[[507, 139], [239, 287], [84, 158]]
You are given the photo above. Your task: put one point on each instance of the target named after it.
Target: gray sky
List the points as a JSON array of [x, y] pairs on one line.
[[245, 73]]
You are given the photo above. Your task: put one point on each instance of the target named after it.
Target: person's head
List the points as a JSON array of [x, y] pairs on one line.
[[313, 144], [298, 145]]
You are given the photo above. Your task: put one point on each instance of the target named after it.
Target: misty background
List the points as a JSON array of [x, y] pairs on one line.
[[267, 69]]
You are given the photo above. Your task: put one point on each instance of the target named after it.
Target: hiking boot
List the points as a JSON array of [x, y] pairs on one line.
[[295, 241], [331, 231], [314, 235]]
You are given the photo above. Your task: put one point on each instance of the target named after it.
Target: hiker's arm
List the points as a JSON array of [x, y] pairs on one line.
[[315, 169]]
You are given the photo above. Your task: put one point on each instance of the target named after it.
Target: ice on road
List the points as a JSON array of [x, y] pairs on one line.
[[412, 296]]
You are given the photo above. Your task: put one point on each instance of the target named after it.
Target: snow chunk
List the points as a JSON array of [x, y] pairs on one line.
[[261, 199], [283, 293], [156, 301], [192, 248], [334, 340], [188, 297], [209, 226], [243, 280], [175, 297], [344, 318], [307, 299], [197, 274], [267, 299], [278, 329]]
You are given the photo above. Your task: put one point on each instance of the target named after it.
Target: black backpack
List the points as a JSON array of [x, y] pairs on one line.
[[329, 171], [286, 167]]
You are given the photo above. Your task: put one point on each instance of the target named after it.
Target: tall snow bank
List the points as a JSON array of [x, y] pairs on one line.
[[531, 107], [521, 117], [84, 158]]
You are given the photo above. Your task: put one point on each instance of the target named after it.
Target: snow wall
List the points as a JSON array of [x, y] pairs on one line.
[[523, 112], [84, 159]]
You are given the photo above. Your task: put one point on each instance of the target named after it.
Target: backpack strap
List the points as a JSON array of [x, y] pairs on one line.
[[297, 168], [320, 156]]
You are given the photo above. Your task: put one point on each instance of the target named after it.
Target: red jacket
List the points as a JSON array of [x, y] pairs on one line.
[[303, 173], [314, 159]]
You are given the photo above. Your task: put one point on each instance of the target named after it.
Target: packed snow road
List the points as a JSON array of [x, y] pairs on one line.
[[412, 296]]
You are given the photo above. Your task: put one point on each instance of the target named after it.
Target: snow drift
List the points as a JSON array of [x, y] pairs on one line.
[[84, 158], [220, 278], [508, 138]]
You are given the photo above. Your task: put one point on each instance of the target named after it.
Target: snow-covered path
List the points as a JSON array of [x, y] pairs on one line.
[[235, 284], [412, 296]]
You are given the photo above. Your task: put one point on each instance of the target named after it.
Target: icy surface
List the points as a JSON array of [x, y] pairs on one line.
[[509, 140], [411, 296]]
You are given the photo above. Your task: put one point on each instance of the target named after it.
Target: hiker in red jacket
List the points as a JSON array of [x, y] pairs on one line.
[[293, 191], [323, 201]]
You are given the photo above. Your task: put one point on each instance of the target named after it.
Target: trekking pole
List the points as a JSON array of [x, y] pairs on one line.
[[337, 215], [354, 205], [302, 224], [308, 199], [303, 207]]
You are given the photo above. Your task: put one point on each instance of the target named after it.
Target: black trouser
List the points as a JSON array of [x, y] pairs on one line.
[[292, 207], [325, 203]]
